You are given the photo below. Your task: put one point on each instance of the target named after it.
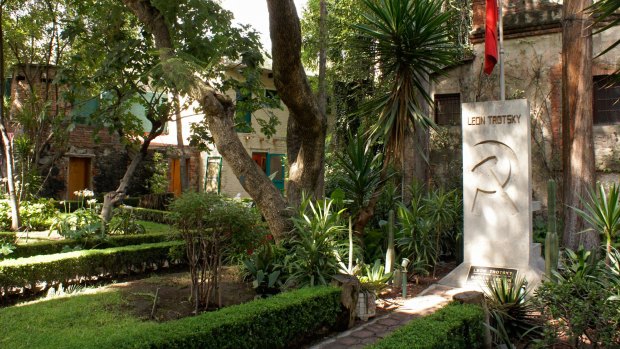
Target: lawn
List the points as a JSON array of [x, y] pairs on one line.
[[96, 320]]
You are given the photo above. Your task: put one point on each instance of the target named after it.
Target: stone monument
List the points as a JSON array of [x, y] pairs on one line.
[[497, 193]]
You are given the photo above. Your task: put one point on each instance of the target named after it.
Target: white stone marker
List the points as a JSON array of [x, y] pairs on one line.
[[497, 194]]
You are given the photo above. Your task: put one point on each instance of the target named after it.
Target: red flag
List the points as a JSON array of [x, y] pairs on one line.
[[490, 37]]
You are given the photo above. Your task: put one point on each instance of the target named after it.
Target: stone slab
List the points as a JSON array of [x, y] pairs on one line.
[[497, 190]]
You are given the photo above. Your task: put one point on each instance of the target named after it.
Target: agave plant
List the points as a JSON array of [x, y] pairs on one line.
[[511, 310], [602, 211], [374, 278]]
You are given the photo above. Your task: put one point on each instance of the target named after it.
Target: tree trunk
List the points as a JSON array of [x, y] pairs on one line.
[[8, 149], [322, 98], [307, 125], [112, 198], [577, 141], [183, 161], [219, 114]]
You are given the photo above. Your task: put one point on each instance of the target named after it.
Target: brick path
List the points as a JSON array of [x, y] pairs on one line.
[[430, 300]]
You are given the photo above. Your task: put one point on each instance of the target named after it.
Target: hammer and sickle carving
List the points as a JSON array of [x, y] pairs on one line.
[[493, 170]]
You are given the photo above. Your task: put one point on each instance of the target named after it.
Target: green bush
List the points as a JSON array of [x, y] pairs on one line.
[[62, 267], [147, 214], [455, 326], [8, 237], [35, 215], [579, 304], [59, 246], [214, 228], [101, 321], [275, 322]]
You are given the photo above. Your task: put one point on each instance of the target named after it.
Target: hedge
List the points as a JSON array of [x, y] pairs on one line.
[[57, 246], [455, 326], [276, 322], [103, 320], [147, 214], [7, 237], [63, 267]]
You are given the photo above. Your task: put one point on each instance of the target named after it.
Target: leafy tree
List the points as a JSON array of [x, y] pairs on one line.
[[177, 29], [8, 153]]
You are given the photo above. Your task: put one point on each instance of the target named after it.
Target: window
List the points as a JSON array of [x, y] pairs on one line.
[[448, 109], [7, 87], [606, 101], [212, 176], [273, 165], [243, 113], [82, 110]]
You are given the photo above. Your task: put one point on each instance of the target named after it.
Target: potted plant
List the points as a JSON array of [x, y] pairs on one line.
[[373, 281]]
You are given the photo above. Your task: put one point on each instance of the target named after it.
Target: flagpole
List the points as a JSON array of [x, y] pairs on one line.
[[502, 84]]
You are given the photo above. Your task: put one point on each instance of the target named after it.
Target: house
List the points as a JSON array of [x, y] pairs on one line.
[[88, 158], [533, 70], [207, 170]]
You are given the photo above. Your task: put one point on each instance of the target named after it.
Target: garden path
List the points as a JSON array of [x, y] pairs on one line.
[[429, 301]]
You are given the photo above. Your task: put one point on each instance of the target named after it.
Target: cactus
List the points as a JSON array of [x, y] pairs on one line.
[[551, 240], [390, 254]]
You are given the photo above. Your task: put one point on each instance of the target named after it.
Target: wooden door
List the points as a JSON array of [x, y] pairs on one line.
[[175, 176], [79, 176]]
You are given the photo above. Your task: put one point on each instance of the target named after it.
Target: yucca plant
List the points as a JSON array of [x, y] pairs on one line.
[[602, 211], [411, 41]]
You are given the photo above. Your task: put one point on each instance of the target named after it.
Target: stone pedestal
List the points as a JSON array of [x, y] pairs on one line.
[[497, 195]]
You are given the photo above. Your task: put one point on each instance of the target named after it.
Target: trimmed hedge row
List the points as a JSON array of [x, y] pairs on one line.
[[455, 326], [62, 267], [275, 322], [7, 237], [57, 246], [147, 214]]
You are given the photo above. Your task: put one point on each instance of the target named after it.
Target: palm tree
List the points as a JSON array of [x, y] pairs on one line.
[[411, 41]]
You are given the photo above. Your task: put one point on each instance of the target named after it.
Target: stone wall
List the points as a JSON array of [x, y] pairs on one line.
[[533, 70]]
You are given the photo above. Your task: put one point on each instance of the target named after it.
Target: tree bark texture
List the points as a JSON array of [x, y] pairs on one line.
[[219, 113], [8, 148], [577, 138], [307, 125], [183, 161]]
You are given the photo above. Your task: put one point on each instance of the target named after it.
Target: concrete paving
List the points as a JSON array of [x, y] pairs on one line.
[[429, 300]]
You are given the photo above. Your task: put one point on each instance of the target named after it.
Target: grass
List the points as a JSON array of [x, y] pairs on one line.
[[96, 320], [102, 320], [152, 227]]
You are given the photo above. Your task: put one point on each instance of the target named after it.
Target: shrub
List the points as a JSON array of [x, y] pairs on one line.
[[275, 322], [59, 246], [430, 225], [455, 326], [63, 267], [35, 215], [318, 235], [8, 237], [213, 227], [580, 302], [124, 222]]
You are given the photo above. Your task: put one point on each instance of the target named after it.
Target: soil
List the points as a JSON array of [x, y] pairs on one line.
[[391, 298], [173, 295]]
